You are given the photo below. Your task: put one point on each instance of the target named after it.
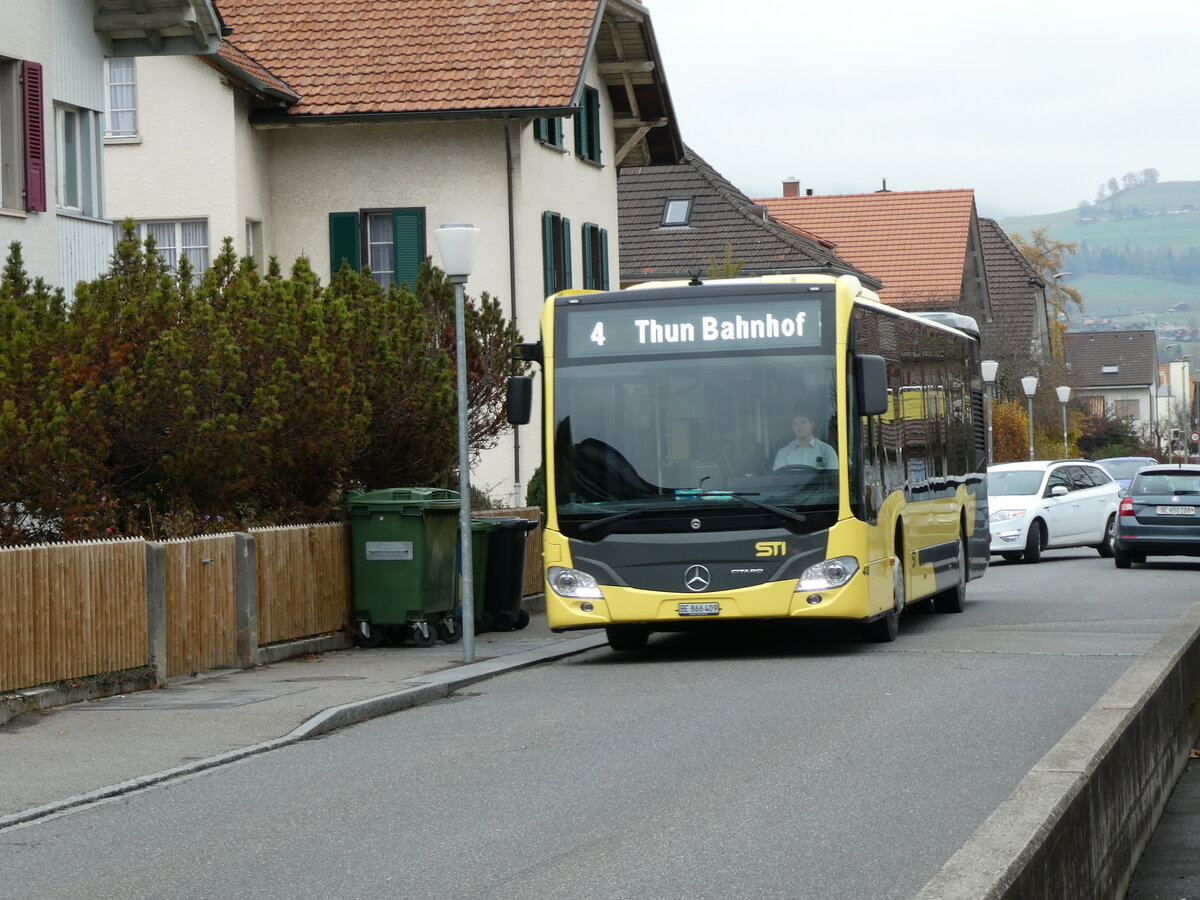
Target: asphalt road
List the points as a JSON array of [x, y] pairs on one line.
[[770, 763]]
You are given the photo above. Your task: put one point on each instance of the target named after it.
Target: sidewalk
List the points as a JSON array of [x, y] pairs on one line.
[[62, 757]]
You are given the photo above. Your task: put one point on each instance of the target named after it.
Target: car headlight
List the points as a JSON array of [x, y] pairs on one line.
[[827, 574], [1003, 515], [573, 583]]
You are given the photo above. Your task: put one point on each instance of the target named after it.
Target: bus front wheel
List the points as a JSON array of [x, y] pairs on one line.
[[627, 637]]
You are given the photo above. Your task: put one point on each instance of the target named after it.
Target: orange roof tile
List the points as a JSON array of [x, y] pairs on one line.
[[230, 58], [412, 56], [915, 242]]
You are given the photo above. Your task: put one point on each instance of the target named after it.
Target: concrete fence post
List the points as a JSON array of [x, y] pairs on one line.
[[156, 610], [246, 588]]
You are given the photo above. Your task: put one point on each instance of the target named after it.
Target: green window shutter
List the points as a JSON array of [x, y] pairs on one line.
[[344, 241], [589, 281], [408, 245], [592, 98], [603, 259], [547, 254], [566, 245], [540, 129], [556, 137], [581, 129]]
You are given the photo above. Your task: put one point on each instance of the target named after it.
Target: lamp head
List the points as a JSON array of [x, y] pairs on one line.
[[1064, 393], [989, 368], [456, 246], [1029, 385]]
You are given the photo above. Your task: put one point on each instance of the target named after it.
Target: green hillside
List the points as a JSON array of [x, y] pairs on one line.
[[1138, 258]]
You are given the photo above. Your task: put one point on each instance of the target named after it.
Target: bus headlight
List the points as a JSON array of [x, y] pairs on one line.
[[573, 583], [827, 574]]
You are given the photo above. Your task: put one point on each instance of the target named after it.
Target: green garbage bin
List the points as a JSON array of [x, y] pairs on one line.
[[404, 565], [481, 532]]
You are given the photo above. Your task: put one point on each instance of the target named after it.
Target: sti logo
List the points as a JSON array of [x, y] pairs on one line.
[[770, 548]]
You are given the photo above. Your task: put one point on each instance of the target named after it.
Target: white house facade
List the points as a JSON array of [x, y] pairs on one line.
[[53, 115]]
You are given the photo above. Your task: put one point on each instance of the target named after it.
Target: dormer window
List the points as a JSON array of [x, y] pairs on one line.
[[677, 211], [1109, 370]]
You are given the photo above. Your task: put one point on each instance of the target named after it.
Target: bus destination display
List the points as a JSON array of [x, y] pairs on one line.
[[655, 329]]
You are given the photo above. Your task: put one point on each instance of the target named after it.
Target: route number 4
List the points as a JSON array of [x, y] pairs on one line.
[[598, 334]]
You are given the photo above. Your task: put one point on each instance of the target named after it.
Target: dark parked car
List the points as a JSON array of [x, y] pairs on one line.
[[1159, 515], [1123, 468]]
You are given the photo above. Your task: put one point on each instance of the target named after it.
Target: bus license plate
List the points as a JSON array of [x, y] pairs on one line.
[[699, 609], [1176, 510]]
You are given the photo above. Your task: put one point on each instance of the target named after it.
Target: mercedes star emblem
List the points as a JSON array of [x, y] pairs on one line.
[[696, 578]]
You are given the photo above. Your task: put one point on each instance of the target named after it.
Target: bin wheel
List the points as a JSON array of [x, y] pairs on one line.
[[522, 619], [450, 630], [422, 635], [395, 634], [367, 636], [484, 621], [505, 620]]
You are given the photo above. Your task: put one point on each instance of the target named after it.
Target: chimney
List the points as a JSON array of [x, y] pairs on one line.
[[808, 192], [791, 186]]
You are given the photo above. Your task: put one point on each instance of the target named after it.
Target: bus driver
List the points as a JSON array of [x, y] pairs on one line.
[[805, 450]]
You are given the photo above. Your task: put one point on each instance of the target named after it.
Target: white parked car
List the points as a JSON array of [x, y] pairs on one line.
[[1040, 505]]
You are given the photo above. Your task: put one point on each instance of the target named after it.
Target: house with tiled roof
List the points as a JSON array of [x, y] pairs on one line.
[[924, 246], [677, 220], [1115, 373], [53, 113], [1020, 325], [348, 130]]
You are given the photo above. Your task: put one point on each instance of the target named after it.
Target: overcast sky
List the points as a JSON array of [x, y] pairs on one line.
[[1033, 103]]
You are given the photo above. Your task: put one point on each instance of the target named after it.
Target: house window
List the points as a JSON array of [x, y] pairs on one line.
[[22, 136], [78, 160], [587, 126], [1126, 409], [556, 253], [595, 257], [1109, 370], [121, 117], [173, 239], [549, 131], [254, 239], [392, 241], [677, 211]]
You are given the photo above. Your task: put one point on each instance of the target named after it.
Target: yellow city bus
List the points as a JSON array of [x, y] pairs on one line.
[[683, 489]]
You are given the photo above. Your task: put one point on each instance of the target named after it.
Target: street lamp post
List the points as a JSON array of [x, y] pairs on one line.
[[1064, 395], [989, 367], [1029, 386], [456, 244]]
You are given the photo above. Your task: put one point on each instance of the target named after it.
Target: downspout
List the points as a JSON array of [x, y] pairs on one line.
[[512, 295]]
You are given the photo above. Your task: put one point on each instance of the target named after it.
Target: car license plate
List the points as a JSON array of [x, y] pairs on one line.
[[699, 609], [1176, 510]]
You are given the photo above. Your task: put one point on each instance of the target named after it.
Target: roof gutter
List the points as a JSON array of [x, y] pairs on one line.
[[278, 118]]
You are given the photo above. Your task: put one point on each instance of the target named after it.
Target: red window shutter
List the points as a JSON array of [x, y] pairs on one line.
[[35, 137]]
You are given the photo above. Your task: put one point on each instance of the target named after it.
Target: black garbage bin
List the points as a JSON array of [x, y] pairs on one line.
[[505, 582]]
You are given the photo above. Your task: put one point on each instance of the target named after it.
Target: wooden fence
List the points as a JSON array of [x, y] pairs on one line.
[[201, 604], [303, 581], [71, 610]]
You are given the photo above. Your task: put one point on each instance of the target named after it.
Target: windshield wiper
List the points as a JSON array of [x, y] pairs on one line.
[[601, 522], [749, 498]]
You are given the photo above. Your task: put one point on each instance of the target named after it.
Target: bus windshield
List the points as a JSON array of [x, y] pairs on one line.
[[740, 434]]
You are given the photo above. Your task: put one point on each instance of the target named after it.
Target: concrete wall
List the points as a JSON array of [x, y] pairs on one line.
[[1077, 824]]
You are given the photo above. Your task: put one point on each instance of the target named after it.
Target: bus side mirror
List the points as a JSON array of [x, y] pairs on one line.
[[870, 378], [520, 399]]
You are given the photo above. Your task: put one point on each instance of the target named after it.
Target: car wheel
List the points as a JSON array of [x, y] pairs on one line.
[[1105, 547], [1121, 558], [884, 629], [1033, 544], [1012, 555]]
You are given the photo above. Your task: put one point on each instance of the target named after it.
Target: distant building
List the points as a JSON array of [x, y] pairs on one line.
[[1115, 372]]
